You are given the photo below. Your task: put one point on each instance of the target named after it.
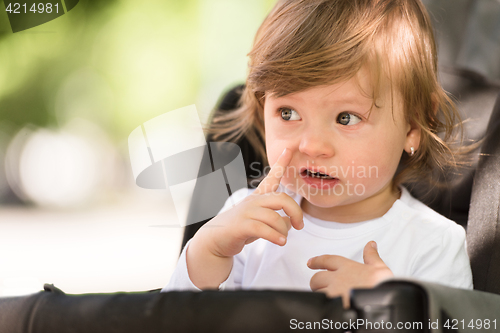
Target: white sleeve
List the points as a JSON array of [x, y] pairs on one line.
[[180, 278], [180, 281], [443, 259]]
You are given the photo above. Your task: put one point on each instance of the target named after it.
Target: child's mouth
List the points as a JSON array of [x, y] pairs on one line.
[[316, 174], [318, 179]]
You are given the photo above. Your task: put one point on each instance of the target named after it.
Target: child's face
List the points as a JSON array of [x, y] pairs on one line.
[[331, 129]]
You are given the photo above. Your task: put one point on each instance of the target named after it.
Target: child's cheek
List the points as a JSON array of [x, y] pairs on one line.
[[372, 178], [366, 169], [289, 180]]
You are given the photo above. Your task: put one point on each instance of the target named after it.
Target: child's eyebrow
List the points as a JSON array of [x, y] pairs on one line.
[[343, 100], [353, 100]]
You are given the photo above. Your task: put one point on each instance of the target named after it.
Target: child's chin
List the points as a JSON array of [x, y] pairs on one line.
[[326, 199]]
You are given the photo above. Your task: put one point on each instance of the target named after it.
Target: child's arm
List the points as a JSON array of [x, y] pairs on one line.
[[209, 256]]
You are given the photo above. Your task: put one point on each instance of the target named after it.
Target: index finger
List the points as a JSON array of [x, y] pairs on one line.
[[272, 181], [327, 261]]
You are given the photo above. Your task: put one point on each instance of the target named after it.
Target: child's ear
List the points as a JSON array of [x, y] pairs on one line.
[[415, 131], [413, 137]]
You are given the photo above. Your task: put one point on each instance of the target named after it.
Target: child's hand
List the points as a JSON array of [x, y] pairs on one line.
[[209, 256], [255, 217], [343, 274]]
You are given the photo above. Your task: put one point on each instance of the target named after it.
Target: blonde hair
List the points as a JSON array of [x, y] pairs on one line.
[[306, 43]]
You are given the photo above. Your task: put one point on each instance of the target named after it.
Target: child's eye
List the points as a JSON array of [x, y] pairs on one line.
[[348, 119], [289, 114]]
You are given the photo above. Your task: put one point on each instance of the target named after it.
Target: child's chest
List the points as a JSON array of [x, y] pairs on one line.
[[268, 266]]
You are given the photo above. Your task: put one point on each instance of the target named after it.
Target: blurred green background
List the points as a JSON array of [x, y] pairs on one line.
[[117, 64], [106, 67], [71, 92]]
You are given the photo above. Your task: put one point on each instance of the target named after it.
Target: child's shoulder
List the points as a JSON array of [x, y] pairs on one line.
[[417, 213], [242, 193], [236, 197]]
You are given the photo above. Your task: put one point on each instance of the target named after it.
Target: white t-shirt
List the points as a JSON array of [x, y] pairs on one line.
[[413, 241]]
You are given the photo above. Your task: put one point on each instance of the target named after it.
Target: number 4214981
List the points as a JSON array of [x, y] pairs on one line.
[[17, 8]]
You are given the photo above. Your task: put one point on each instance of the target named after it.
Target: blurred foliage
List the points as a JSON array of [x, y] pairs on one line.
[[121, 63]]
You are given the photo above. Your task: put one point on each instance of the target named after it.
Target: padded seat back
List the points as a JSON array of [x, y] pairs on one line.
[[483, 232]]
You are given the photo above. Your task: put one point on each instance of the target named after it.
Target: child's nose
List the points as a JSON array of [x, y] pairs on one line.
[[316, 142]]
